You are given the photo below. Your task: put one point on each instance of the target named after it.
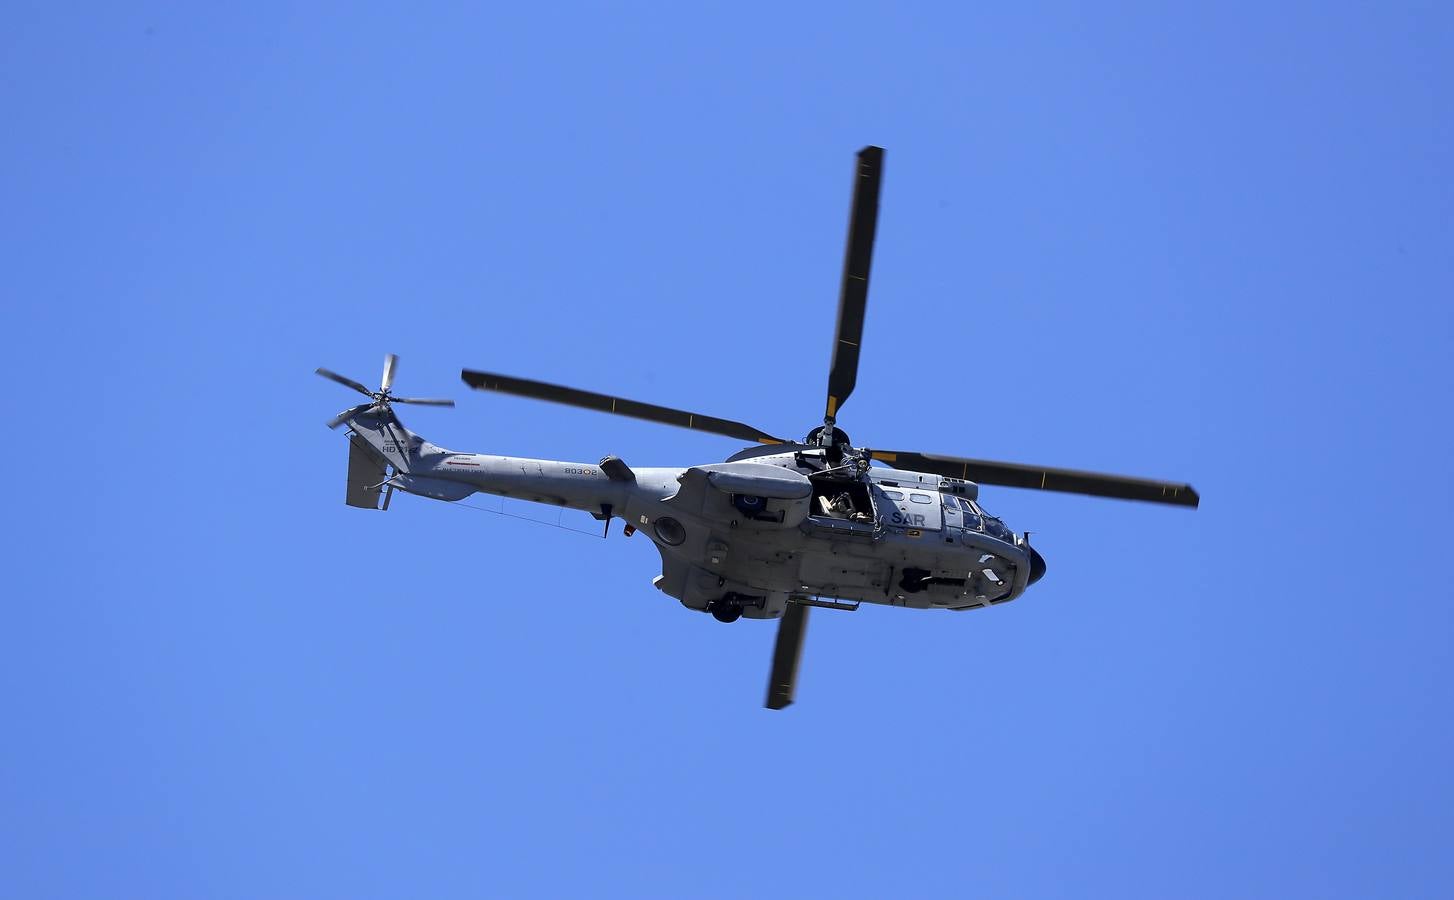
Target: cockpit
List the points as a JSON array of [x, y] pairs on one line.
[[972, 517]]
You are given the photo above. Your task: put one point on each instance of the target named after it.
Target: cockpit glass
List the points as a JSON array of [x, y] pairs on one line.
[[972, 518]]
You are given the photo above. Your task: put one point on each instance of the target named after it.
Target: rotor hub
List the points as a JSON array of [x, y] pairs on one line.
[[379, 399], [828, 435]]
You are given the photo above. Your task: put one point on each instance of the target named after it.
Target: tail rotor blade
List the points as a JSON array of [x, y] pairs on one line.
[[391, 367], [346, 382], [783, 683], [347, 414], [391, 362]]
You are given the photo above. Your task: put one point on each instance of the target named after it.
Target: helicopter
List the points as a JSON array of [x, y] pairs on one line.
[[780, 527]]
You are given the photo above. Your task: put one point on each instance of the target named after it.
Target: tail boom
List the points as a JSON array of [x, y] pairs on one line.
[[427, 470]]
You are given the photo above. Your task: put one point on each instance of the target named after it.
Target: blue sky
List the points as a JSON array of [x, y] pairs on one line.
[[1211, 245]]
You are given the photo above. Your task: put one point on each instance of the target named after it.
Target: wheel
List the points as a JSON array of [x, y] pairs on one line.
[[749, 505], [726, 612]]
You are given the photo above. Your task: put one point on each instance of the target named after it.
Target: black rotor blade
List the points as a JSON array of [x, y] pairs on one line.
[[853, 297], [347, 414], [421, 401], [346, 382], [1041, 478], [783, 682], [539, 390]]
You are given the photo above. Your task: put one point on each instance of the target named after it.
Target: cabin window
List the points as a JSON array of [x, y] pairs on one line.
[[894, 495], [848, 500], [920, 498]]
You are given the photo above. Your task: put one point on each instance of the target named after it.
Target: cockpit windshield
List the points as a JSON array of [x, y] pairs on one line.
[[976, 519], [972, 519]]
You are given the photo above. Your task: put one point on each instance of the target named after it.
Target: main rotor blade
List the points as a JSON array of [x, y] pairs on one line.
[[853, 297], [421, 401], [539, 390], [346, 382], [391, 363], [1041, 478], [783, 682]]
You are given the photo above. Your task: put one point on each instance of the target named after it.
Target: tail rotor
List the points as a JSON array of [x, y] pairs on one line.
[[380, 399]]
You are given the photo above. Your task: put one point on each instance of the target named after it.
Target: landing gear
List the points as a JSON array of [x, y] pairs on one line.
[[729, 608]]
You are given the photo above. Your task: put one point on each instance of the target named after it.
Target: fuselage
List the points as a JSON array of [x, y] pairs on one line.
[[769, 524]]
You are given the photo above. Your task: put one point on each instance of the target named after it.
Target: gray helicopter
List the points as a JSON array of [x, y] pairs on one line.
[[779, 527]]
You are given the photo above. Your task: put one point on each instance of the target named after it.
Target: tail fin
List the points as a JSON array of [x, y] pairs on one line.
[[378, 443], [388, 439]]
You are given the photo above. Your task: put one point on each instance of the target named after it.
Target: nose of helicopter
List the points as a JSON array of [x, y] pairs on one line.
[[1037, 565]]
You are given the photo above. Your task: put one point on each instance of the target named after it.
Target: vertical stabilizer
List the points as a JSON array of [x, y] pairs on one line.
[[377, 440]]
